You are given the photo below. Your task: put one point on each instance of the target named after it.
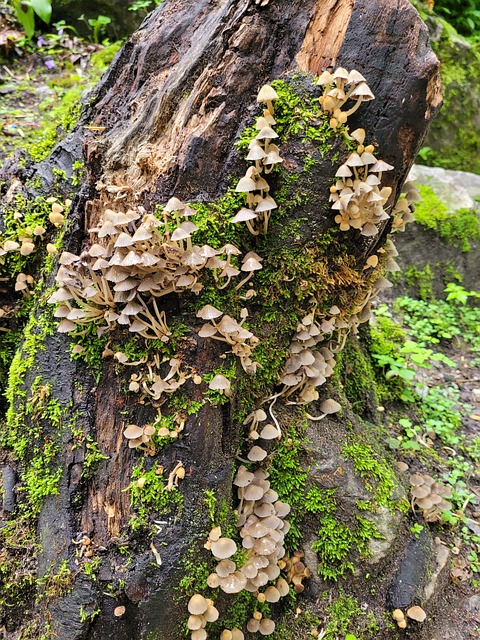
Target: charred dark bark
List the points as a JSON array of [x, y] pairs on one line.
[[162, 122]]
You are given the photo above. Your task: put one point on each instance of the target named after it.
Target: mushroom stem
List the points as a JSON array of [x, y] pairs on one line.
[[274, 417], [316, 418], [251, 229], [240, 284], [355, 107]]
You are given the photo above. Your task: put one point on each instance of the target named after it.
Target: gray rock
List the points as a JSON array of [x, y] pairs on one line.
[[412, 575], [457, 189], [388, 524], [442, 554], [8, 480]]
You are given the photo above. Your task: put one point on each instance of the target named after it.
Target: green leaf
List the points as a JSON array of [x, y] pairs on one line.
[[407, 374], [26, 18], [43, 9]]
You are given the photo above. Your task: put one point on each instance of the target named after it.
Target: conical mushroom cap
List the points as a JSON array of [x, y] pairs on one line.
[[330, 406], [267, 93]]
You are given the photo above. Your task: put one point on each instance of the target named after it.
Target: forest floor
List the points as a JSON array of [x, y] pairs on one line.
[[41, 84], [436, 431]]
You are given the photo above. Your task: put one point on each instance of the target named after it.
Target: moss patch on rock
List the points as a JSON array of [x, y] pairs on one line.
[[457, 228]]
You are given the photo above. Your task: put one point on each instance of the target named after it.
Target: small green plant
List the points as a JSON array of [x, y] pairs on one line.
[[98, 26], [416, 529], [26, 10], [138, 5]]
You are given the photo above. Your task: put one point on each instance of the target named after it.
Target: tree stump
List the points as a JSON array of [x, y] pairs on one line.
[[165, 121]]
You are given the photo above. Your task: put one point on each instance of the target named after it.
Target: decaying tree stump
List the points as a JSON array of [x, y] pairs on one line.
[[163, 122]]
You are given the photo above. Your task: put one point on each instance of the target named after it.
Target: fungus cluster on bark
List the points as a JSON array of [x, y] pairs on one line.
[[265, 156], [136, 257], [430, 496]]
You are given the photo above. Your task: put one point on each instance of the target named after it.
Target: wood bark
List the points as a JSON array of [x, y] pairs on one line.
[[163, 121]]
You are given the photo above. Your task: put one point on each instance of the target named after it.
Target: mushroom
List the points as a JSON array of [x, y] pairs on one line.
[[223, 548], [197, 605], [416, 613], [267, 95], [222, 384]]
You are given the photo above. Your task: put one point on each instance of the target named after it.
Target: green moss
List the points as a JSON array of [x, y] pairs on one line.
[[102, 59], [385, 338], [41, 477], [376, 474], [456, 228], [17, 580], [336, 543], [153, 497], [20, 217], [421, 280], [63, 117], [346, 616], [354, 372], [454, 137]]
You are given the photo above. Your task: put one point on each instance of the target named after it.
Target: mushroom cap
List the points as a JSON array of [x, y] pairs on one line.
[[208, 312], [225, 568], [251, 265], [194, 622], [362, 90], [243, 477], [223, 548], [213, 580], [269, 432], [267, 626], [416, 613], [325, 78], [267, 93], [256, 454], [272, 594], [266, 132], [199, 634], [246, 184], [398, 615], [211, 614], [197, 605], [416, 480], [119, 611], [282, 586], [330, 406], [243, 215], [266, 204], [219, 383], [234, 583], [237, 634], [355, 76]]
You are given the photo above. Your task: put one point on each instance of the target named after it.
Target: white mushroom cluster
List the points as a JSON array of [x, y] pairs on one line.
[[357, 196], [202, 611], [309, 365], [228, 330], [339, 87], [139, 260], [24, 239], [403, 211], [262, 529], [265, 155], [430, 496]]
